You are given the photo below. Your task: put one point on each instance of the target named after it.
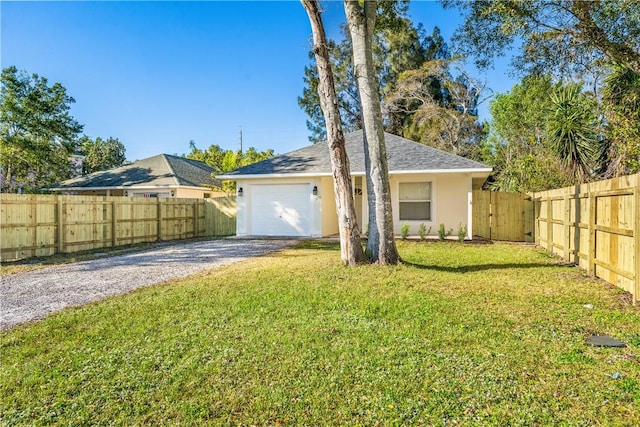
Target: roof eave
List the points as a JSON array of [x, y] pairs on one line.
[[128, 187], [321, 174]]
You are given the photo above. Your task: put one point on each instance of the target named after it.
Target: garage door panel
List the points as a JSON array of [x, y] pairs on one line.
[[281, 210]]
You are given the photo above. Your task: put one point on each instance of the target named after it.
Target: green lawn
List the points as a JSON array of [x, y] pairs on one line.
[[459, 334]]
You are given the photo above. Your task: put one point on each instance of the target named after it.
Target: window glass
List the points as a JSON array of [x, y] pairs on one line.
[[415, 191], [415, 201]]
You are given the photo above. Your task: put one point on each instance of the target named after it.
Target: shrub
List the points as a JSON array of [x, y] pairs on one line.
[[404, 231], [462, 232], [443, 232], [422, 231]]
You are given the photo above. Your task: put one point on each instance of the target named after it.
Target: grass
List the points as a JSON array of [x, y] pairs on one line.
[[459, 334]]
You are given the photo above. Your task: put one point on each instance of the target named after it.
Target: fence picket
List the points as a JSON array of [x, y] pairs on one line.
[[41, 225], [603, 222]]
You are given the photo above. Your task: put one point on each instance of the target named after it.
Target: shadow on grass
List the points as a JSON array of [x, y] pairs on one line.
[[319, 245], [478, 267]]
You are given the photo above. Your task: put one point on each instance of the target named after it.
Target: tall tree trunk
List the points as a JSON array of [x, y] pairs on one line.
[[381, 244], [350, 244]]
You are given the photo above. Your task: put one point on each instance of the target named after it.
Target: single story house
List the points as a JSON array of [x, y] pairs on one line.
[[292, 194], [158, 176]]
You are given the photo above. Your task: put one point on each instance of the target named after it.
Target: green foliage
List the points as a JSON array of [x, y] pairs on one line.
[[368, 255], [227, 160], [576, 42], [572, 131], [520, 147], [462, 232], [622, 108], [101, 154], [37, 133], [294, 338], [404, 231], [442, 232], [397, 46], [569, 38], [422, 231]]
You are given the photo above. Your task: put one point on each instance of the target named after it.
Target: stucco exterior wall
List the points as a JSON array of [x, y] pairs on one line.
[[329, 214], [451, 203], [190, 193], [450, 193]]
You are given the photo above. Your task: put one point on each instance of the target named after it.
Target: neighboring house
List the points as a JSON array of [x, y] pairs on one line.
[[158, 176], [292, 194]]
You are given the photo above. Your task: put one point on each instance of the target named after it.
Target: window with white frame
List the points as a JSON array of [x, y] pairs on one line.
[[415, 201]]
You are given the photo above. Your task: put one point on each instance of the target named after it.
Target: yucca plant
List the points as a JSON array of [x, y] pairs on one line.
[[572, 131]]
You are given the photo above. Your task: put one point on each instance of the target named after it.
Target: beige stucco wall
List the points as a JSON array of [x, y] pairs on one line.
[[451, 206], [190, 193], [450, 202], [329, 214]]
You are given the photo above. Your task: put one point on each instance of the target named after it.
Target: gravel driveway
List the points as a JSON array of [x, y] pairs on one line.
[[33, 295]]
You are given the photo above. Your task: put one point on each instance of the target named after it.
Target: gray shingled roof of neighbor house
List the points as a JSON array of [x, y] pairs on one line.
[[162, 170], [403, 156]]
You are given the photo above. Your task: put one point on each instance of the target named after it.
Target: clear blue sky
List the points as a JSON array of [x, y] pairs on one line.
[[159, 74]]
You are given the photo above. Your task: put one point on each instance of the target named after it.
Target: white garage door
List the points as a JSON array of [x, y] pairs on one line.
[[280, 210]]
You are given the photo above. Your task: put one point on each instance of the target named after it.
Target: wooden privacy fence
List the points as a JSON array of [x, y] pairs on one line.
[[595, 226], [503, 216], [42, 225]]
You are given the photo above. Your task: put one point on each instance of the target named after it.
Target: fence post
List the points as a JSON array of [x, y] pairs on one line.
[[549, 223], [591, 267], [566, 227], [160, 219], [34, 224], [214, 222], [114, 224], [60, 209], [536, 220], [636, 236], [195, 218]]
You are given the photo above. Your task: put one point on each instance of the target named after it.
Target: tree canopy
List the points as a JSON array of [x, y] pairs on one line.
[[37, 133], [397, 46], [438, 108], [227, 160], [591, 130], [101, 154], [566, 37], [425, 95]]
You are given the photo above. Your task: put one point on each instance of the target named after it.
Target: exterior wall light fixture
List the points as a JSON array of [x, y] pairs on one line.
[[240, 192], [315, 190]]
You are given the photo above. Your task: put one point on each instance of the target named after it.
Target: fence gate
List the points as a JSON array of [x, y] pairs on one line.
[[503, 216]]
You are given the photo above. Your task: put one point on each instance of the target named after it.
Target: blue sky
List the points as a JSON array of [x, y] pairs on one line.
[[159, 74]]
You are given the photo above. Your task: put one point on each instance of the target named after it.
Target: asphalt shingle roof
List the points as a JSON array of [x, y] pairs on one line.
[[162, 170], [402, 154]]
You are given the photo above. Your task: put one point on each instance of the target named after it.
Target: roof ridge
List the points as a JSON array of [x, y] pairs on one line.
[[168, 163]]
